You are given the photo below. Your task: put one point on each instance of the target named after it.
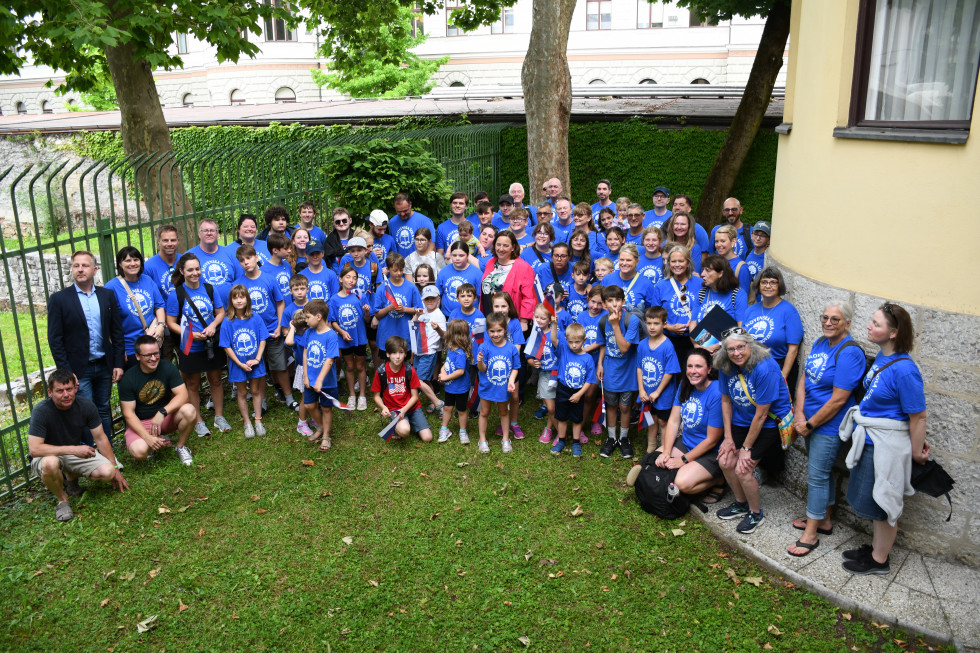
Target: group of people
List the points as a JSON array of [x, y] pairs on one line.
[[592, 306]]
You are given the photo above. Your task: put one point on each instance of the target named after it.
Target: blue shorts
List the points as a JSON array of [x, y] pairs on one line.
[[861, 485], [425, 365], [310, 397], [417, 420]]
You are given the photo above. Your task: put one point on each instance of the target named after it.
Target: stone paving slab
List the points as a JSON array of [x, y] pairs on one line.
[[935, 598]]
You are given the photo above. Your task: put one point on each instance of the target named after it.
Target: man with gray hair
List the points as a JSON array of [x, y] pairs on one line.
[[516, 191]]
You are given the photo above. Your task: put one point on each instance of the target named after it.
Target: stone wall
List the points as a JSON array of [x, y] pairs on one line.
[[946, 349]]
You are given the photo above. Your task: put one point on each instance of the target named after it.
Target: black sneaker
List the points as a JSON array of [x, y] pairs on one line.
[[734, 511], [867, 565], [626, 448], [858, 553], [607, 448]]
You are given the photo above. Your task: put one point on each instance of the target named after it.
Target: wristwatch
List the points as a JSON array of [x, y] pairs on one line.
[[684, 458], [809, 426], [744, 448], [163, 411]]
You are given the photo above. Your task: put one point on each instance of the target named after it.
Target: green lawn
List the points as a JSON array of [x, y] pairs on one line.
[[449, 550]]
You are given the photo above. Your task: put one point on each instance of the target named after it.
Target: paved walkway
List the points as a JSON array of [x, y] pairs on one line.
[[938, 599]]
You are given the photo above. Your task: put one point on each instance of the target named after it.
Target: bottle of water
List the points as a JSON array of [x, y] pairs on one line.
[[672, 492]]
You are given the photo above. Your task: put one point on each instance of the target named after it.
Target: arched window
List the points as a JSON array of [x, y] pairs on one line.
[[21, 108], [648, 81], [700, 80], [457, 85], [46, 107], [71, 102], [188, 100], [285, 95], [237, 97], [597, 81]]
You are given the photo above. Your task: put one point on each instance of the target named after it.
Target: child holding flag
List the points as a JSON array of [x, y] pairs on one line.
[[576, 374], [347, 310], [656, 370], [455, 374], [395, 302], [541, 355], [426, 340], [396, 390]]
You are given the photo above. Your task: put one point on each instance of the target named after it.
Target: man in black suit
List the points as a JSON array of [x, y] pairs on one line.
[[85, 335]]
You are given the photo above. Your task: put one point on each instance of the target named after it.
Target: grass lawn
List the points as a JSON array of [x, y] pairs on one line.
[[448, 550]]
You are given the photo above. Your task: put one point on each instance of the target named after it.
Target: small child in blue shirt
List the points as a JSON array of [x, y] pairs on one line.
[[392, 318], [498, 362], [319, 375], [576, 374], [656, 370], [545, 360], [618, 332], [501, 302], [455, 374], [243, 337]]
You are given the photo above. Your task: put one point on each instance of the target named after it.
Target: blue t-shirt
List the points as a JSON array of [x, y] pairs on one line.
[[639, 292], [744, 274], [531, 257], [776, 327], [591, 325], [704, 245], [148, 300], [323, 284], [316, 233], [515, 333], [765, 385], [651, 268], [739, 245], [500, 362], [395, 323], [681, 308], [348, 312], [574, 370], [562, 231], [636, 239], [456, 360], [403, 231], [261, 250], [596, 207], [449, 279], [824, 373], [218, 269], [243, 338], [577, 302], [161, 272], [526, 239], [287, 314], [650, 218], [280, 274], [896, 392], [614, 257], [447, 233], [755, 263], [265, 294], [320, 348], [364, 273], [712, 298], [200, 298], [547, 278], [597, 244], [698, 412], [476, 320], [619, 367], [655, 363], [483, 260], [386, 244], [549, 354]]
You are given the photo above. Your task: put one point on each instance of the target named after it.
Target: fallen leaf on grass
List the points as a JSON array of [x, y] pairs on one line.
[[731, 574], [614, 577], [29, 499], [347, 540], [181, 606], [525, 640], [307, 463], [234, 615], [146, 624], [677, 532], [128, 576], [103, 603], [433, 516], [255, 497], [154, 572], [775, 631], [177, 491], [629, 575], [578, 512], [459, 543], [899, 642], [373, 583], [463, 464], [527, 556], [767, 646], [605, 589], [508, 603], [423, 474], [716, 565], [326, 493], [754, 580], [163, 509], [108, 573], [200, 533], [261, 511], [184, 508], [846, 615]]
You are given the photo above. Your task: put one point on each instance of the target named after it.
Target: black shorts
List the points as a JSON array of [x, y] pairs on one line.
[[457, 401], [356, 350], [372, 332], [768, 437], [662, 414], [197, 362], [709, 460], [565, 410]]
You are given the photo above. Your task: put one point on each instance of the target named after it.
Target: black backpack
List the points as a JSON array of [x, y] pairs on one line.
[[641, 332], [651, 490]]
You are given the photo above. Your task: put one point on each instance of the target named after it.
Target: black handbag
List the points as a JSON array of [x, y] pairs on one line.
[[931, 478]]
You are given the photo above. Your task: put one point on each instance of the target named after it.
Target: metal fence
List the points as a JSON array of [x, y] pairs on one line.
[[52, 208]]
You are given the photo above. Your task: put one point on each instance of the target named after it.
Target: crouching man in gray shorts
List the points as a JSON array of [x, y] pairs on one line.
[[54, 440]]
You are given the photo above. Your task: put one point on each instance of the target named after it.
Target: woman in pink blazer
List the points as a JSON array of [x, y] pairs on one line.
[[507, 272]]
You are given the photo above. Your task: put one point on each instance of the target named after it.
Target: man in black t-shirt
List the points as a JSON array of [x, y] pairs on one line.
[[154, 403], [54, 440]]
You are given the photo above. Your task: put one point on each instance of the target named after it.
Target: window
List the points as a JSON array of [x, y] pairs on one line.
[[275, 28], [188, 100], [181, 40], [649, 14], [598, 14], [506, 23], [452, 30], [597, 81], [237, 97], [21, 108], [700, 80], [457, 85], [418, 21], [285, 95], [648, 81], [916, 63], [46, 107]]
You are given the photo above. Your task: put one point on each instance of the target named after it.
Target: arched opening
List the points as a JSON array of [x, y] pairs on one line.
[[21, 108], [237, 97], [597, 81], [648, 81], [700, 80], [188, 100], [46, 107], [457, 85], [285, 95]]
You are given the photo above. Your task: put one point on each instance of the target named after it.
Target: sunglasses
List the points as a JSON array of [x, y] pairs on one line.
[[733, 331]]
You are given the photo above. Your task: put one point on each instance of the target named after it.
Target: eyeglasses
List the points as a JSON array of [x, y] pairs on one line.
[[634, 215], [768, 282], [207, 231], [155, 354], [736, 349], [833, 319], [729, 210], [341, 221], [734, 331], [421, 240], [559, 257]]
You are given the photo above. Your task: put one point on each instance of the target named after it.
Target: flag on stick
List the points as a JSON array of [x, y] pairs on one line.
[[418, 337], [647, 417], [535, 343], [186, 335], [389, 430]]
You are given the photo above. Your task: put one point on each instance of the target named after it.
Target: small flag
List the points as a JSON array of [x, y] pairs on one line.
[[479, 330], [474, 396], [543, 297], [186, 335], [553, 380], [389, 430], [336, 402], [418, 337], [646, 415], [390, 292], [536, 342], [600, 412]]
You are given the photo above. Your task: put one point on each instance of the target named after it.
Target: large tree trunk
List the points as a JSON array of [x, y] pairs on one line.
[[547, 88], [144, 130], [748, 117]]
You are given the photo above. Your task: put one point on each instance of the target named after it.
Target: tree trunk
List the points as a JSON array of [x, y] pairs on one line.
[[547, 88], [748, 117], [144, 130]]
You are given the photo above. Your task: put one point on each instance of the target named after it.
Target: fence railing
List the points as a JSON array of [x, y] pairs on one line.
[[53, 207]]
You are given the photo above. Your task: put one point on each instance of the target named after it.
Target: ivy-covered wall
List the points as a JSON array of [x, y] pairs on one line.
[[637, 155]]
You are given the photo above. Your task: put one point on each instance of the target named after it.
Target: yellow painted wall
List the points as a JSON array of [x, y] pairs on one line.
[[893, 219]]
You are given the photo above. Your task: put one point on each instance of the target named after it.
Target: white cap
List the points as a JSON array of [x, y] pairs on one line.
[[378, 217], [356, 241], [430, 291]]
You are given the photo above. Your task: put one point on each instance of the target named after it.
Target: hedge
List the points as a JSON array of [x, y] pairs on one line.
[[637, 155]]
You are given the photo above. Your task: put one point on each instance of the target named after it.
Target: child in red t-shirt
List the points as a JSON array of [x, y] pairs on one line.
[[400, 392]]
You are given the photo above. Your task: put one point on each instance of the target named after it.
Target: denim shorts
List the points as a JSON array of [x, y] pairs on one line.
[[861, 485], [310, 397], [425, 365], [417, 420]]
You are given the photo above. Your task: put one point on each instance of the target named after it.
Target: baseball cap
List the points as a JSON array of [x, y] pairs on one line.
[[356, 241], [378, 217], [662, 189], [763, 227], [314, 247], [508, 199], [430, 291]]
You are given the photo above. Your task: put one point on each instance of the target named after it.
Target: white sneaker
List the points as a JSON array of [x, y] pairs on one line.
[[483, 447], [202, 430], [259, 428], [222, 424], [362, 403], [352, 401], [249, 430], [209, 405], [464, 437], [506, 447], [444, 434], [184, 455]]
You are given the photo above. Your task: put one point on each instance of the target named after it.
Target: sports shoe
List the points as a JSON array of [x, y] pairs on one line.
[[559, 447], [280, 397], [858, 553], [464, 437], [259, 428], [209, 405], [483, 447], [249, 430], [444, 434], [352, 402], [294, 405], [222, 424], [626, 448], [304, 429], [576, 449], [362, 403], [202, 430], [607, 448], [506, 446], [733, 511], [596, 429], [500, 430], [62, 511], [184, 455], [516, 431], [541, 412], [583, 438], [750, 522], [867, 565], [474, 414], [546, 436]]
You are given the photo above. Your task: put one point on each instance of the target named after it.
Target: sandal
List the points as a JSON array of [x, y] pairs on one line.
[[325, 443], [802, 545], [800, 525], [715, 494], [316, 437]]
